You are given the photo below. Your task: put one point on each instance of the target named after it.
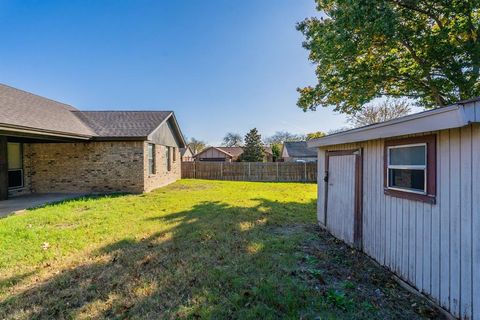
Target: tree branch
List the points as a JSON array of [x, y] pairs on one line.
[[419, 10]]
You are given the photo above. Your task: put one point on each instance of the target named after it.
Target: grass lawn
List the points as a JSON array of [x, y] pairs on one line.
[[195, 249]]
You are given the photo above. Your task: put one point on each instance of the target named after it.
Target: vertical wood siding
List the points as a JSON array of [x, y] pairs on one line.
[[434, 247]]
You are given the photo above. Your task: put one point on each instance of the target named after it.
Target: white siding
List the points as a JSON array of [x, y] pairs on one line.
[[435, 247]]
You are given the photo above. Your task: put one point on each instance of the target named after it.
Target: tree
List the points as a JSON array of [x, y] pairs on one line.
[[284, 136], [315, 135], [253, 150], [428, 50], [276, 150], [387, 110], [232, 140], [196, 145]]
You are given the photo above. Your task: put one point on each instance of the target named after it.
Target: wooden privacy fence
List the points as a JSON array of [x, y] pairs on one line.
[[251, 171]]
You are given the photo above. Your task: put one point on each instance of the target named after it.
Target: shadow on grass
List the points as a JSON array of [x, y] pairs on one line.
[[216, 261]]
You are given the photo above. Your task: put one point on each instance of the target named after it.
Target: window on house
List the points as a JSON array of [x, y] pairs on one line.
[[174, 154], [15, 165], [410, 168], [151, 158], [167, 159]]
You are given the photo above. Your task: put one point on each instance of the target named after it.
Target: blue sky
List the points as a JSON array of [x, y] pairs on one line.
[[221, 65]]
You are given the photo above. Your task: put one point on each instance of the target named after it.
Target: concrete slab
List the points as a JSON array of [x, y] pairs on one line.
[[21, 203]]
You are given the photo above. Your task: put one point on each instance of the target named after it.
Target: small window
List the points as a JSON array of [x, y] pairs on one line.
[[168, 165], [407, 168], [15, 165], [174, 154], [151, 158], [410, 168]]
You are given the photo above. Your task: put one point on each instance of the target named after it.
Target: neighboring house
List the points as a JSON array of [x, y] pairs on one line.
[[407, 192], [47, 146], [227, 154], [186, 154], [298, 152]]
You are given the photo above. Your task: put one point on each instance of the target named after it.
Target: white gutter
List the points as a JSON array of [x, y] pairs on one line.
[[453, 116]]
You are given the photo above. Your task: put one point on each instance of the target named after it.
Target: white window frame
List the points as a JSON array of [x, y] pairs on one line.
[[408, 167]]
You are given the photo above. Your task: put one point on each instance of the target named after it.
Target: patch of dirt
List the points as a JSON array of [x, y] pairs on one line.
[[347, 277]]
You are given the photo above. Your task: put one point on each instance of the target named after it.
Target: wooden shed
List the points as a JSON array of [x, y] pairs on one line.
[[407, 193]]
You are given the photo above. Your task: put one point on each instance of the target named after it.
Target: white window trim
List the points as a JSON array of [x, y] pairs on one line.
[[408, 167]]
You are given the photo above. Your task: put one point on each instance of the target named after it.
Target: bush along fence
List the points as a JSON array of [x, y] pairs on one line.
[[251, 171]]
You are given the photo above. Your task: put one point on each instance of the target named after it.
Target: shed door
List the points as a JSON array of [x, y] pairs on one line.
[[343, 188]]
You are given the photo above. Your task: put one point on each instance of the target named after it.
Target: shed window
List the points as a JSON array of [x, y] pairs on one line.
[[407, 168], [151, 158], [410, 168], [15, 165]]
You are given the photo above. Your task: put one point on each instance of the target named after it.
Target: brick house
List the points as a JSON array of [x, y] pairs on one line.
[[51, 147]]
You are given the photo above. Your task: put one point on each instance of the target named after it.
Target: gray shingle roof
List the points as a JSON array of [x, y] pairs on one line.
[[27, 110], [21, 110], [123, 123], [299, 149]]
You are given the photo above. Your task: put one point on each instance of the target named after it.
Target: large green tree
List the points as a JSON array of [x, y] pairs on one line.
[[253, 149], [428, 50]]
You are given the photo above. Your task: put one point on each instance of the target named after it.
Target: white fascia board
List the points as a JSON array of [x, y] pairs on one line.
[[439, 119]]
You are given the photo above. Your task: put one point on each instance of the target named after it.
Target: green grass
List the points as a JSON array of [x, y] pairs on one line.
[[195, 249]]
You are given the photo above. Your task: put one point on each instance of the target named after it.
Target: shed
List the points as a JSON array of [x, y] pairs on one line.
[[407, 193]]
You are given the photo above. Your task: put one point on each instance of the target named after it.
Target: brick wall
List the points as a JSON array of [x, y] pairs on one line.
[[91, 167], [162, 176]]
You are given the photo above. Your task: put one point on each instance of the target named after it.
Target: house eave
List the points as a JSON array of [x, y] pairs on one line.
[[41, 132], [453, 116]]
